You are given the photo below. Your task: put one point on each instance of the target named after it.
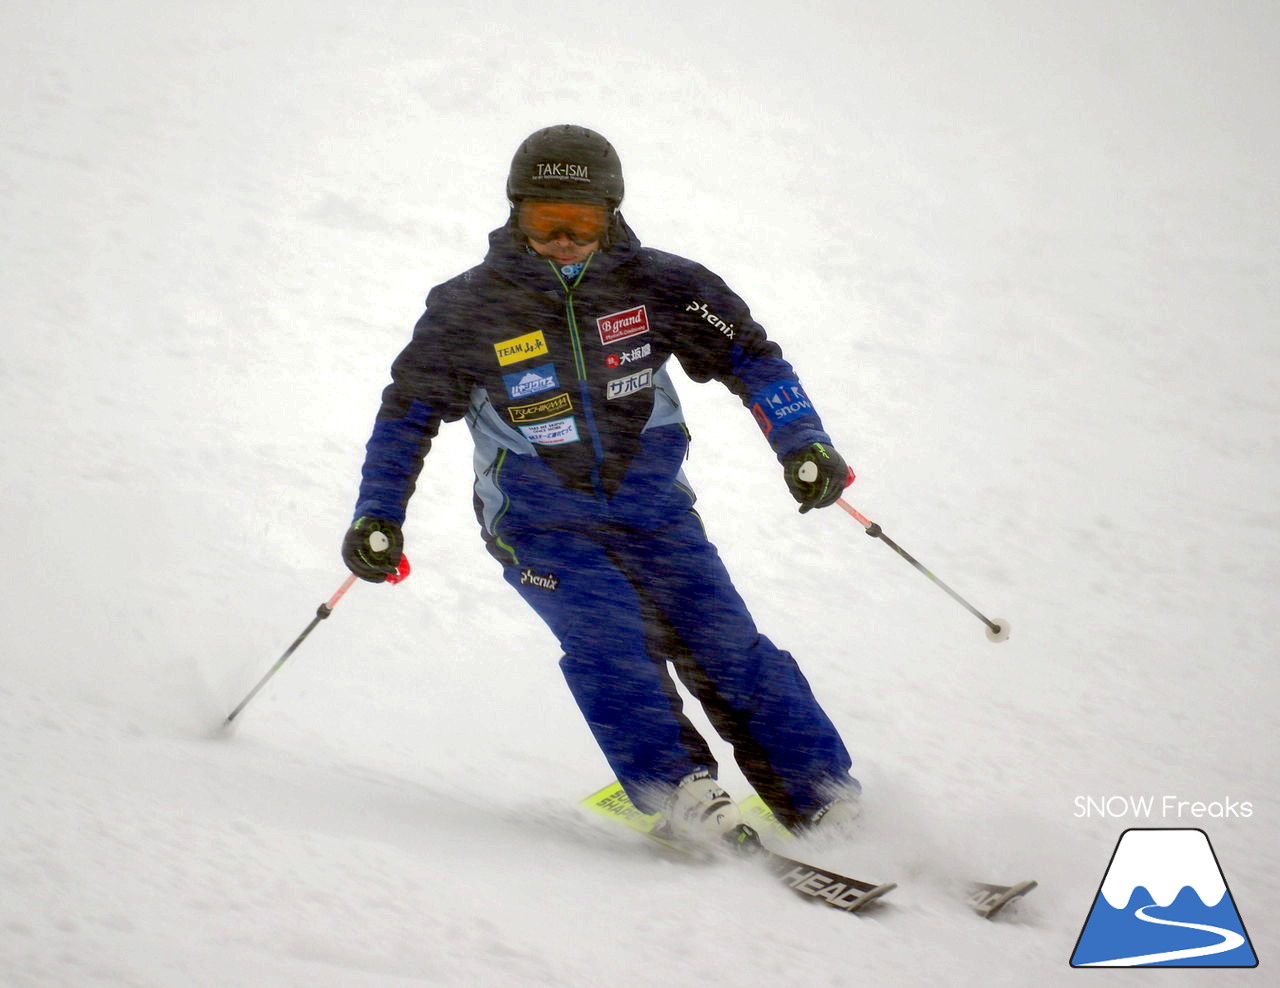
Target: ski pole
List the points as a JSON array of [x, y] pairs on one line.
[[997, 630], [322, 612]]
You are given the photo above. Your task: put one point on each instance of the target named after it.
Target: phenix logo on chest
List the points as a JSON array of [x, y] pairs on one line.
[[711, 317]]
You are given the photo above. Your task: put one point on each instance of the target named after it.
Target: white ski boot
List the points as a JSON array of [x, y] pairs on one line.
[[699, 810], [837, 821]]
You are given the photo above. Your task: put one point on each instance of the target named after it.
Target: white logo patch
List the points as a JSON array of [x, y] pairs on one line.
[[555, 433], [629, 385]]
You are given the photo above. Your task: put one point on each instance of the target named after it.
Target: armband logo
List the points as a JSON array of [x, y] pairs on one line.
[[779, 405]]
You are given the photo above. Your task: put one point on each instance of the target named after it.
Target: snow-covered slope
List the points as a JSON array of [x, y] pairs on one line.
[[1024, 256]]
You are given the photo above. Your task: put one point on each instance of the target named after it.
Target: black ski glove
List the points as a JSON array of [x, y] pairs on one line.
[[372, 548], [816, 475]]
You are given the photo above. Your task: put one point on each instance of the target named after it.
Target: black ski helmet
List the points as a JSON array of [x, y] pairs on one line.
[[566, 163]]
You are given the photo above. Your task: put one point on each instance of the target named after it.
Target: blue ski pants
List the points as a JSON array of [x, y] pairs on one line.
[[624, 603]]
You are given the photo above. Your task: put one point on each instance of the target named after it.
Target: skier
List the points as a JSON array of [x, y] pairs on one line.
[[554, 349]]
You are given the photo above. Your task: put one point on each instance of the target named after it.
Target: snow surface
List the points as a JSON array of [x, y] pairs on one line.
[[1025, 257]]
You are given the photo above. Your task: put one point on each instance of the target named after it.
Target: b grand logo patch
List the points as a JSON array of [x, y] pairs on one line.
[[623, 325]]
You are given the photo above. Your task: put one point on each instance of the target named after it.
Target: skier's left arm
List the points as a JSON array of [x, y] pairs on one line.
[[720, 340]]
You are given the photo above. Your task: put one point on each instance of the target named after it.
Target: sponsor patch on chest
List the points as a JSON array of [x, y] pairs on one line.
[[623, 325], [616, 360], [520, 348], [526, 383], [557, 432], [536, 411], [620, 387]]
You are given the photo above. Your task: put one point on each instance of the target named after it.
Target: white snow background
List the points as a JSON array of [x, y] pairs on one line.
[[1024, 256]]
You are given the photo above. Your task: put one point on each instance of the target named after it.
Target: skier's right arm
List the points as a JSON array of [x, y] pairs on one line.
[[426, 389]]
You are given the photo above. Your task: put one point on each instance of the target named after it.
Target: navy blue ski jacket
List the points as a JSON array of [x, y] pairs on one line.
[[564, 387]]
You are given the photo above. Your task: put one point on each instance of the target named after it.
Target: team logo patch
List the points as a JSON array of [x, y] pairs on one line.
[[525, 384], [521, 348], [616, 360], [555, 433], [547, 408], [629, 385], [623, 325]]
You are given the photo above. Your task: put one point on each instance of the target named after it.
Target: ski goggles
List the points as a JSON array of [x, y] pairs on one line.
[[583, 222]]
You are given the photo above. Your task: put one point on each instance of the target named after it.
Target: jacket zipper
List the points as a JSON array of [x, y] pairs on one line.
[[580, 365]]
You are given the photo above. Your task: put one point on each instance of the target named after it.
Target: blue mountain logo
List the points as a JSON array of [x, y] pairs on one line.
[[1164, 902]]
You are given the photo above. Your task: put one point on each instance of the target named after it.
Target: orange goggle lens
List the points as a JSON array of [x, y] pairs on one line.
[[583, 223]]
